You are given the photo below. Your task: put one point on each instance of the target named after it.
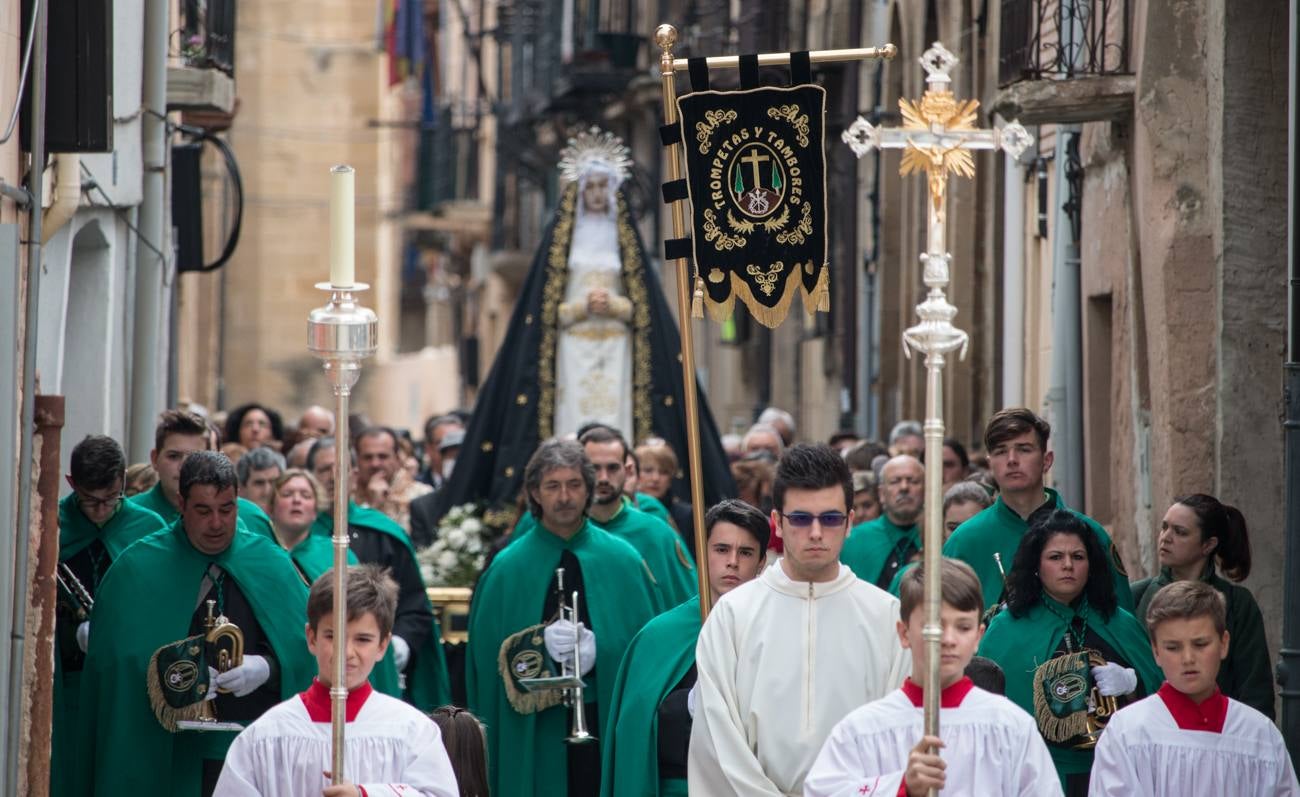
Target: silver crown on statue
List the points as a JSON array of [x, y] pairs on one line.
[[594, 149]]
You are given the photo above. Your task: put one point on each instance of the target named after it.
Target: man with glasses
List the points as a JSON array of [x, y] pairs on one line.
[[783, 658], [878, 548], [95, 525]]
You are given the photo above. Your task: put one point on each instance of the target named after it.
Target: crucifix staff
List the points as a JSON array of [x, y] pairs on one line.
[[937, 137]]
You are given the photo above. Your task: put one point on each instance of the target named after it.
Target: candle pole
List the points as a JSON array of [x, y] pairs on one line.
[[341, 334]]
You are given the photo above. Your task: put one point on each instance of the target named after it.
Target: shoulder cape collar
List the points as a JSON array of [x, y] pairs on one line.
[[317, 701], [950, 697], [1208, 715], [776, 578]]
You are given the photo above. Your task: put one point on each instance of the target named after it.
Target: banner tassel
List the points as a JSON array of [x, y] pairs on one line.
[[697, 303]]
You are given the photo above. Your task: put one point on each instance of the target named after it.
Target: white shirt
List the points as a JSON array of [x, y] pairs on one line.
[[780, 662], [992, 748], [1151, 749], [391, 749]]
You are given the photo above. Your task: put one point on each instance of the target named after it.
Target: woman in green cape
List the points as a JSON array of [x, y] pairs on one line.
[[1062, 609], [649, 727], [295, 500]]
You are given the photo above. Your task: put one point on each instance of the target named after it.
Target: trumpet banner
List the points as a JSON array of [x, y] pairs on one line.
[[756, 179]]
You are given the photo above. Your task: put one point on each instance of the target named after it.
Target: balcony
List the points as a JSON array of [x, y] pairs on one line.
[[448, 159], [205, 43], [1065, 61]]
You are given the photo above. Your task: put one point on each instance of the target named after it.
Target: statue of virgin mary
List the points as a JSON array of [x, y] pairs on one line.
[[591, 339]]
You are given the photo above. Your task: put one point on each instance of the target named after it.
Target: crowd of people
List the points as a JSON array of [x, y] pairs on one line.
[[588, 669]]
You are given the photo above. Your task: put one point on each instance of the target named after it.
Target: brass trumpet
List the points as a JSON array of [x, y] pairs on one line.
[[569, 681], [1100, 708], [224, 642]]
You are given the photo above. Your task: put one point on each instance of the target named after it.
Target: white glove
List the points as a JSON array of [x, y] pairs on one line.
[[690, 700], [562, 635], [83, 636], [212, 684], [1115, 679], [401, 653], [245, 678]]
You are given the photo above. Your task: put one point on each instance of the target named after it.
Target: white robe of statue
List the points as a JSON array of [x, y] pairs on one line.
[[593, 362]]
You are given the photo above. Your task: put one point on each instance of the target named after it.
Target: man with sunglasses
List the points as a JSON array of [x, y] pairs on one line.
[[783, 658], [878, 548], [95, 525]]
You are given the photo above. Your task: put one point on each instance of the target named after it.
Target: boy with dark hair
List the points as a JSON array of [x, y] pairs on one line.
[[993, 748], [1188, 738], [1016, 441], [390, 746]]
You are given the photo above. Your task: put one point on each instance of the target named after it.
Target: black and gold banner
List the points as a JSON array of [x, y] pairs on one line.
[[756, 177]]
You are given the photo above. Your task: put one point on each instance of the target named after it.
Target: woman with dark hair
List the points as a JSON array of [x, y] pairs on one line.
[[1064, 643], [253, 425], [1199, 539], [462, 735]]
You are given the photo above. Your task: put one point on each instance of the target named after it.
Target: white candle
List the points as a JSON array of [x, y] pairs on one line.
[[342, 226]]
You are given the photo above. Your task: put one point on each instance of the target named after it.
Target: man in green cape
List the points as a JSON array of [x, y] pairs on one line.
[[1016, 442], [177, 435], [671, 566], [878, 549], [95, 525], [416, 646], [513, 631], [156, 593], [649, 728]]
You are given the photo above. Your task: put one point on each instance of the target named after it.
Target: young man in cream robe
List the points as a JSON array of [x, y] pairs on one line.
[[785, 657]]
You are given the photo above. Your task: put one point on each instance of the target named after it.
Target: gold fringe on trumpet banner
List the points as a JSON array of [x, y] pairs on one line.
[[818, 300], [1061, 687], [523, 655]]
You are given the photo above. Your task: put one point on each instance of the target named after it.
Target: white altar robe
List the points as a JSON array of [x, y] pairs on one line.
[[780, 662], [1145, 753], [391, 748], [593, 359], [992, 748]]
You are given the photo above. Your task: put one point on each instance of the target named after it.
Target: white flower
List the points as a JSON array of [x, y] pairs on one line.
[[455, 539], [447, 561], [474, 545], [472, 526]]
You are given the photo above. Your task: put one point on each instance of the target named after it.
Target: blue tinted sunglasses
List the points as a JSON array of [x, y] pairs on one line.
[[829, 520]]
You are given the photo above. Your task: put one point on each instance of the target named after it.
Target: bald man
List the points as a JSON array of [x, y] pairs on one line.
[[878, 548], [316, 421]]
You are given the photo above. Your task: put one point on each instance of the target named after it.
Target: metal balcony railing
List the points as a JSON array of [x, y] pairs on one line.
[[207, 34], [448, 159], [1063, 39]]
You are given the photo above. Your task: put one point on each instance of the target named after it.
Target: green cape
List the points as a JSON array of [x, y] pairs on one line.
[[127, 525], [655, 662], [1020, 644], [654, 508], [672, 567], [251, 515], [1246, 674], [427, 682], [870, 544], [526, 751], [315, 555], [897, 583], [146, 600], [999, 529]]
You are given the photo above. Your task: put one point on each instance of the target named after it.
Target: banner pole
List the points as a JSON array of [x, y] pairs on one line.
[[783, 59], [666, 37]]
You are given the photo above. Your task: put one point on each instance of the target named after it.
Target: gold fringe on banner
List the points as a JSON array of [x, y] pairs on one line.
[[508, 663], [697, 302], [168, 716], [1054, 728], [771, 317]]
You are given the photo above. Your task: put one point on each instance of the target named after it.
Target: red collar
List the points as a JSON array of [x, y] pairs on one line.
[[317, 701], [1208, 715], [950, 697]]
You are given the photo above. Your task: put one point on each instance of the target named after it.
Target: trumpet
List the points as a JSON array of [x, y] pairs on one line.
[[569, 682], [80, 596], [224, 642], [1100, 707]]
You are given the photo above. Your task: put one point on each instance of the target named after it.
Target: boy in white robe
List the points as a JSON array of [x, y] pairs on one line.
[[390, 747], [989, 746], [1188, 738]]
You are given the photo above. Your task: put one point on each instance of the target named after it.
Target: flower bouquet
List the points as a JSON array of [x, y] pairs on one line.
[[457, 556]]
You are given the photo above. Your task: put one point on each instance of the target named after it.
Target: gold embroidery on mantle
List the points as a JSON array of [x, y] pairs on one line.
[[557, 275]]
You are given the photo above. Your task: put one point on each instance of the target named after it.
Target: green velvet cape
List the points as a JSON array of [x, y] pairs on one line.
[[251, 515], [656, 661], [654, 508], [670, 563], [1020, 644], [146, 600], [999, 529], [128, 524], [870, 544], [428, 685], [526, 754]]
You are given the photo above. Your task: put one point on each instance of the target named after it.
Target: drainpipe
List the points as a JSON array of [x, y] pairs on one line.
[[1013, 284], [1065, 394], [67, 194], [27, 419], [1288, 668], [150, 266]]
